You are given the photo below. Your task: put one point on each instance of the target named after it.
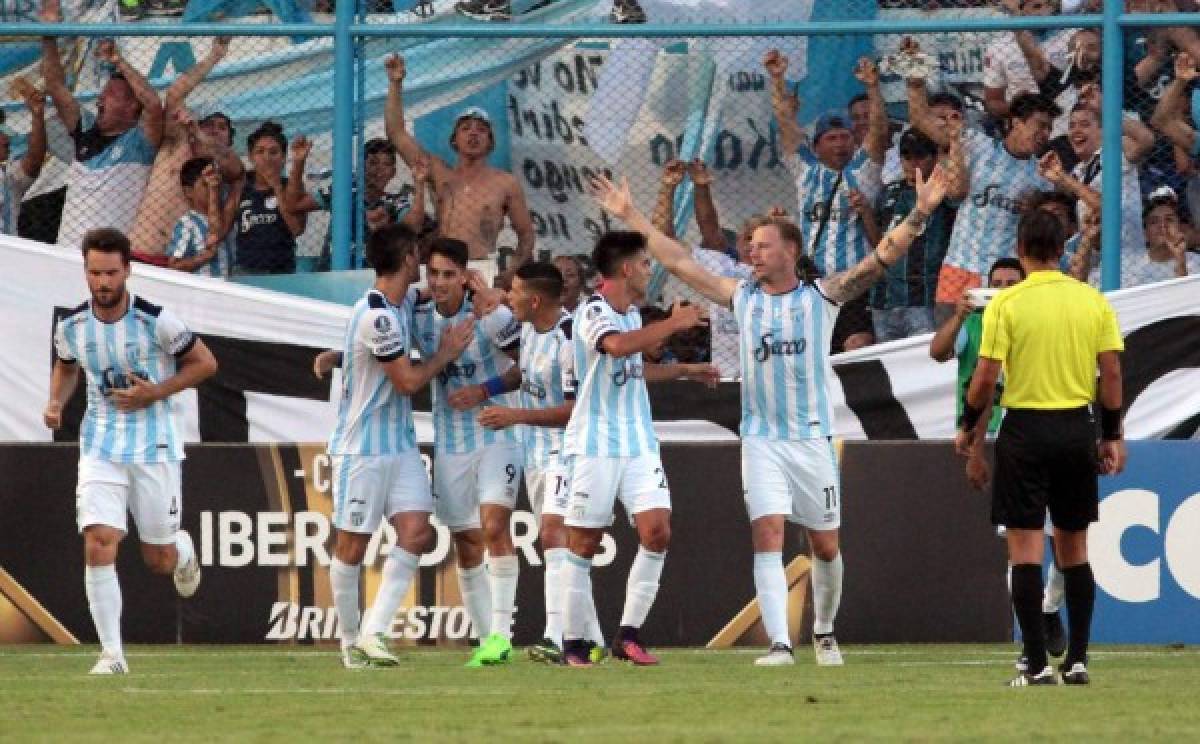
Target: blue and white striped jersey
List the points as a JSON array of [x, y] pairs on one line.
[[612, 407], [187, 240], [459, 432], [547, 380], [786, 370], [145, 342], [374, 418], [106, 181], [843, 241], [986, 226]]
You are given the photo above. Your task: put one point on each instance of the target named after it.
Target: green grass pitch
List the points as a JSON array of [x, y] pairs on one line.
[[918, 693]]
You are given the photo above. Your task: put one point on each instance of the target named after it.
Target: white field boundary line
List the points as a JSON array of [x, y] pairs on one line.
[[324, 656]]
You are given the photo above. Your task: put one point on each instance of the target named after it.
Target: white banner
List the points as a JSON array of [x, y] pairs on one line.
[[265, 341]]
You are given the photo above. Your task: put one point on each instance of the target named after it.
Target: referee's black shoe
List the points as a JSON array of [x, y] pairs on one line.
[[1044, 677], [1056, 635], [1075, 674]]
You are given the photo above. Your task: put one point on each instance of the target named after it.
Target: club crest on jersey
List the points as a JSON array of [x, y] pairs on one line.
[[769, 346], [594, 311]]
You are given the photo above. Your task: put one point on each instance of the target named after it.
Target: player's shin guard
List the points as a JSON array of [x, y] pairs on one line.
[[398, 571], [554, 558], [1052, 597], [577, 596], [104, 600], [343, 580], [594, 632], [1027, 604], [477, 597], [827, 593], [503, 571], [642, 587], [1080, 585], [770, 583]]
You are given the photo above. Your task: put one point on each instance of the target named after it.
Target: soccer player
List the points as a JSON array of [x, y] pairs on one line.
[[1049, 334], [475, 469], [614, 449], [789, 471], [135, 356], [377, 469]]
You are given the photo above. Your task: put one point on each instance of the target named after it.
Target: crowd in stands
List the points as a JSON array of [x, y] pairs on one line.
[[1031, 141]]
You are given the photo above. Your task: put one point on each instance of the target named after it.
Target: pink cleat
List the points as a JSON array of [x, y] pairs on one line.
[[631, 650]]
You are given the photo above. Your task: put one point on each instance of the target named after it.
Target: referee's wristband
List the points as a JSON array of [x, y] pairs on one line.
[[494, 386], [1110, 424], [970, 416]]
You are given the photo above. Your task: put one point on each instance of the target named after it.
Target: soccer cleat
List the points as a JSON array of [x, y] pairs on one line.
[[187, 576], [494, 650], [631, 650], [1025, 679], [627, 11], [1077, 674], [485, 10], [576, 654], [1056, 636], [827, 651], [546, 651], [110, 664], [597, 653], [374, 649], [354, 658], [779, 655]]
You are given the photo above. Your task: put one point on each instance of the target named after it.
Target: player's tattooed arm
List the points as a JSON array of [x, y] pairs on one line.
[[849, 284]]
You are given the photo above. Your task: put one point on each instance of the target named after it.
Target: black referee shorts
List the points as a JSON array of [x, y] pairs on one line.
[[1046, 460]]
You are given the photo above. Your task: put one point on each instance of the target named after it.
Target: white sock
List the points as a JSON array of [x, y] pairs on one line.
[[577, 596], [477, 596], [104, 601], [770, 583], [594, 632], [554, 559], [398, 572], [343, 580], [1052, 599], [642, 587], [827, 592], [503, 571], [185, 549]]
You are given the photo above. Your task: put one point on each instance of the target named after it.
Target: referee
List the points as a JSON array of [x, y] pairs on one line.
[[1049, 334]]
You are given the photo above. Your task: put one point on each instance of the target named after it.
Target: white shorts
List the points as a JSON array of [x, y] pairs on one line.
[[369, 488], [152, 492], [798, 479], [549, 488], [597, 482], [489, 475]]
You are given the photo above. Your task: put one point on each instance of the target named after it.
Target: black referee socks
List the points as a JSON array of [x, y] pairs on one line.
[[1079, 585], [1027, 603]]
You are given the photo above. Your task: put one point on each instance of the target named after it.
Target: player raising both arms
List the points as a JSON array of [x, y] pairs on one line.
[[135, 356], [377, 469], [789, 470]]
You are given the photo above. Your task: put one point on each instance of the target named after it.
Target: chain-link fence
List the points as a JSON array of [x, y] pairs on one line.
[[215, 154]]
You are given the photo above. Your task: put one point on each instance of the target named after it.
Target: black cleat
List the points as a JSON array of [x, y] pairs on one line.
[[1056, 636], [1044, 677], [1076, 674]]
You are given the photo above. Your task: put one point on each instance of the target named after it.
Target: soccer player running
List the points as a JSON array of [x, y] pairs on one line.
[[1048, 335], [135, 355], [377, 469], [789, 470], [475, 469]]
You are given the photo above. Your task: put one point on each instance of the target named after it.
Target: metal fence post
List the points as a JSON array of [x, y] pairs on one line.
[[342, 211], [1110, 156]]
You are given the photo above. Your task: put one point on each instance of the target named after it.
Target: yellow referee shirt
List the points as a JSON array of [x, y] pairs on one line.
[[1047, 331]]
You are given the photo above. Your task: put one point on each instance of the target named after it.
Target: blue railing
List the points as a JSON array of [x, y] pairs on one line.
[[344, 31]]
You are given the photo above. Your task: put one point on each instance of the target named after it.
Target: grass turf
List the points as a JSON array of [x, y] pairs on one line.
[[884, 692]]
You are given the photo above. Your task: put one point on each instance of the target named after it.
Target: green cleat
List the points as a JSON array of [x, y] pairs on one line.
[[494, 650], [546, 651]]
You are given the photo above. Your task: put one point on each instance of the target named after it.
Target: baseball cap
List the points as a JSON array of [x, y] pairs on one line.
[[473, 112], [832, 119]]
